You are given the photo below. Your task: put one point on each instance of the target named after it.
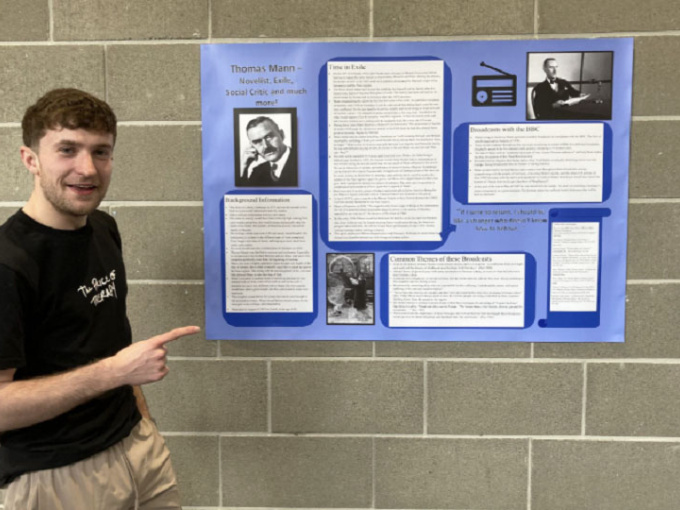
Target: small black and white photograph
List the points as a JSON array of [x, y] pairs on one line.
[[265, 147], [573, 86], [350, 288]]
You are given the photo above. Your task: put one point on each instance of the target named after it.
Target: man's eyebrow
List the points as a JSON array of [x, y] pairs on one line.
[[73, 143]]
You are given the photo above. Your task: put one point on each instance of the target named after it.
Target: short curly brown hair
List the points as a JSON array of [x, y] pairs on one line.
[[66, 108]]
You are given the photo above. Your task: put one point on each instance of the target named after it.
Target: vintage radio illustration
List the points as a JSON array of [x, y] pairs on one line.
[[493, 90]]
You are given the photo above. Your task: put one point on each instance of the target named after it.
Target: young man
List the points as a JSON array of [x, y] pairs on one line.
[[74, 429]]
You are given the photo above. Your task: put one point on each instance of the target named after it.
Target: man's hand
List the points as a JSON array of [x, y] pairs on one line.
[[248, 157], [145, 362], [30, 401]]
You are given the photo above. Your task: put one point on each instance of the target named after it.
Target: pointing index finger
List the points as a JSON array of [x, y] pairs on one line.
[[176, 334]]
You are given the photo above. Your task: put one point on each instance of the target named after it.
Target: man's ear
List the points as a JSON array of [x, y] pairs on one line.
[[30, 159]]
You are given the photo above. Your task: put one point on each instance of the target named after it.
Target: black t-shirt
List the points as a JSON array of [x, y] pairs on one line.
[[62, 306]]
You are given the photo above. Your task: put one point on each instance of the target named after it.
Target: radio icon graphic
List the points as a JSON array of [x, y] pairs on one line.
[[492, 90]]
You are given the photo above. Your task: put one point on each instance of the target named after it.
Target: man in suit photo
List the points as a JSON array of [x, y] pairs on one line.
[[268, 160], [550, 97]]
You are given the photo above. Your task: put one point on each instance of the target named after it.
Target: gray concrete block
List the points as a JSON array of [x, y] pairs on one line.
[[585, 16], [154, 309], [24, 20], [655, 82], [627, 399], [653, 241], [350, 397], [578, 475], [154, 82], [654, 156], [163, 243], [451, 473], [16, 183], [27, 72], [210, 396], [457, 17], [453, 349], [157, 163], [298, 19], [651, 331], [295, 348], [79, 20], [196, 463], [283, 472], [504, 398]]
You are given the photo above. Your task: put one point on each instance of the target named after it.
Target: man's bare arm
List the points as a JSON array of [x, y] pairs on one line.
[[31, 401]]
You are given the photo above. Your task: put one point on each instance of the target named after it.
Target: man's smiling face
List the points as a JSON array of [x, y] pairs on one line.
[[72, 169]]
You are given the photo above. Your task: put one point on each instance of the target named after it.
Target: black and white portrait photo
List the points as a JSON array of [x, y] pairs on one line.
[[350, 288], [574, 85], [265, 147]]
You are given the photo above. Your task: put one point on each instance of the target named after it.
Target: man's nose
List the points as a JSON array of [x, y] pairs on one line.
[[86, 165]]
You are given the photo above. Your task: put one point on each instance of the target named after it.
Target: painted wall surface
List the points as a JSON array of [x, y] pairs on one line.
[[310, 424]]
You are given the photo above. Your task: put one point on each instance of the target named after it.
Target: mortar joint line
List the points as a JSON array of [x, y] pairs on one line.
[[674, 362], [371, 27], [433, 437], [209, 21], [654, 200], [219, 470], [425, 396], [536, 18], [529, 469], [254, 40], [50, 8], [373, 470], [583, 399], [269, 397], [106, 73]]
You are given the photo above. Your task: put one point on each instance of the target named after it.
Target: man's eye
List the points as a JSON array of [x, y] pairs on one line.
[[102, 154], [66, 150]]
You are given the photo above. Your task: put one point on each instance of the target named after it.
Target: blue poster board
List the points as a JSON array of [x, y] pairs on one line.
[[439, 191]]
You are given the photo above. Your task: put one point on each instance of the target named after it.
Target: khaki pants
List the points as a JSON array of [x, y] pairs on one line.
[[134, 474]]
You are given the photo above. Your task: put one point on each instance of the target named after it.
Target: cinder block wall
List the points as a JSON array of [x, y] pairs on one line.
[[369, 424]]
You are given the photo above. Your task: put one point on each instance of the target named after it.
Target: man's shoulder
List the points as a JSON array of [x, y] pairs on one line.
[[292, 157], [102, 222], [13, 253], [99, 217], [11, 220], [542, 85], [12, 232]]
